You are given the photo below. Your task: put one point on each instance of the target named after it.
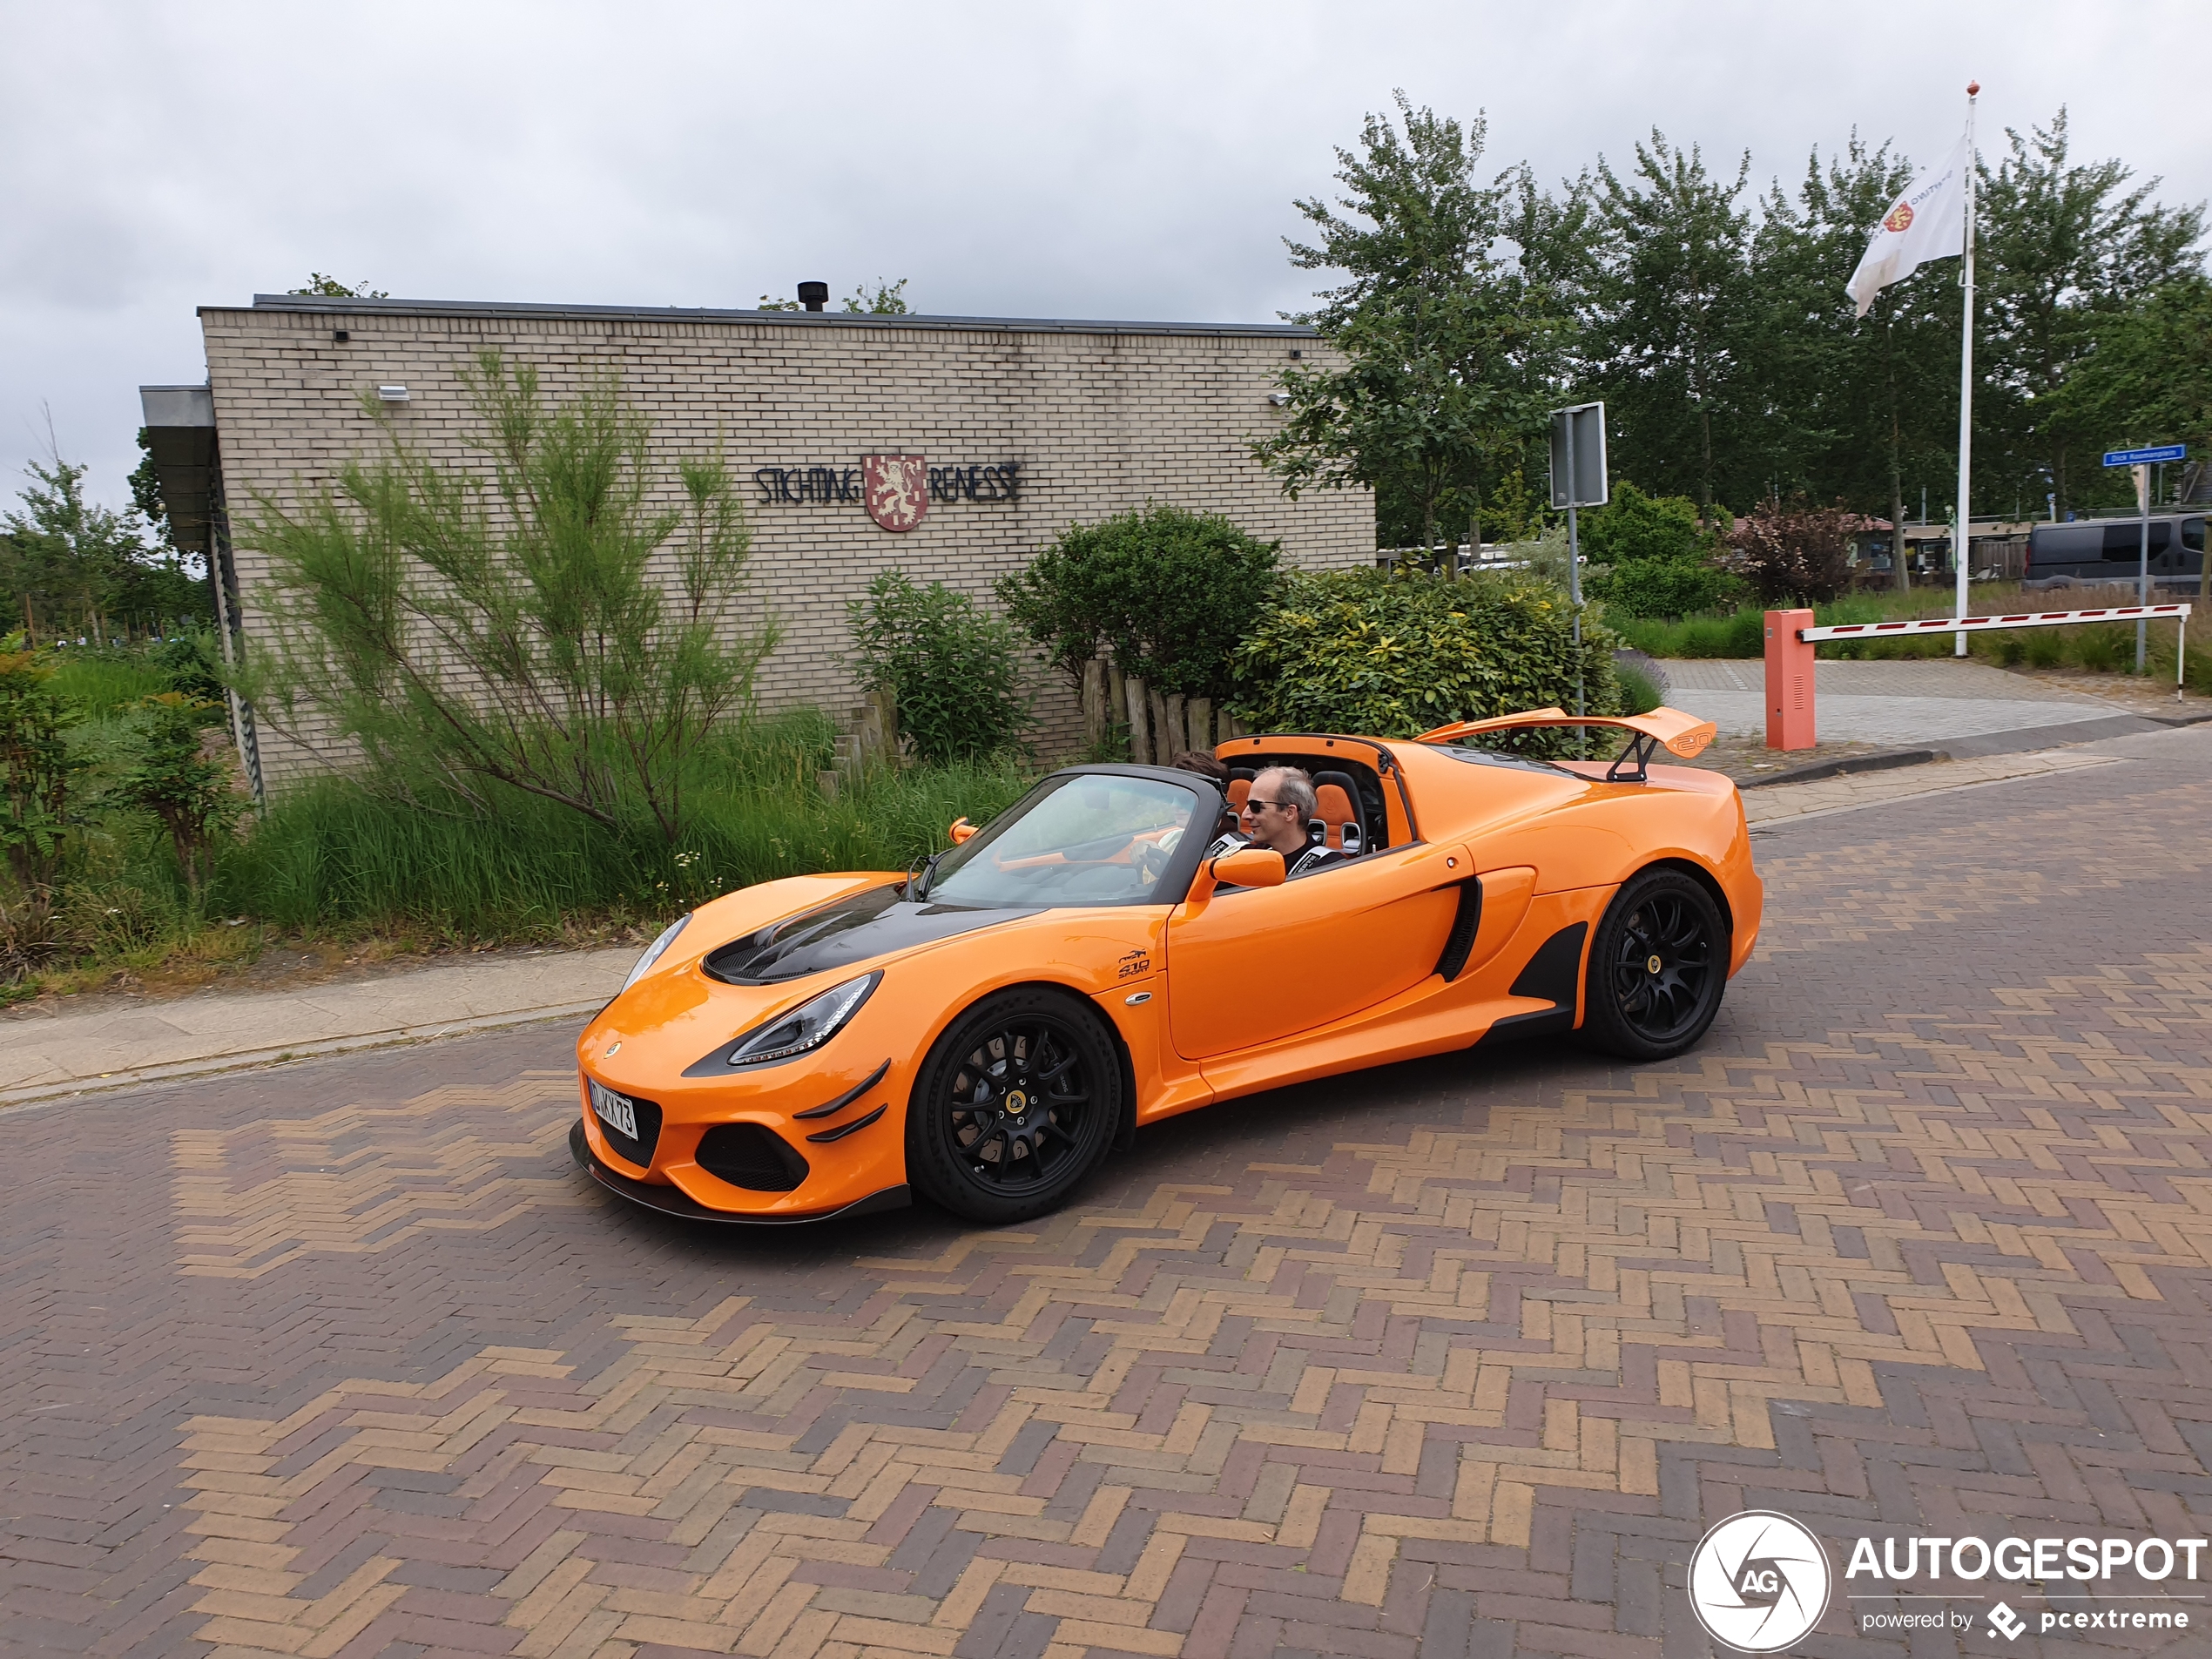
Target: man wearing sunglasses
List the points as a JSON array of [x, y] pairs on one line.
[[1275, 814]]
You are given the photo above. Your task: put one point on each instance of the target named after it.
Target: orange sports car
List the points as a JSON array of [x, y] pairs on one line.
[[984, 1031]]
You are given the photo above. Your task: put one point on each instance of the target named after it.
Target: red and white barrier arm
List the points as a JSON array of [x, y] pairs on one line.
[[1983, 624], [2178, 613]]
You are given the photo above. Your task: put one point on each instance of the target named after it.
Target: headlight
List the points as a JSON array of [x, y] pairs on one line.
[[654, 951], [808, 1025]]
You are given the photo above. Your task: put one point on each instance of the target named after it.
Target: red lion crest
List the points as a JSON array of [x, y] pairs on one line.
[[897, 489], [1900, 218]]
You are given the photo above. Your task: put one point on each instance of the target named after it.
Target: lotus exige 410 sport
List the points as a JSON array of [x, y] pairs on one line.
[[1091, 962]]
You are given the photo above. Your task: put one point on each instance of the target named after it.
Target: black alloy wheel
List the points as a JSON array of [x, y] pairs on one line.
[[1015, 1104], [1657, 967]]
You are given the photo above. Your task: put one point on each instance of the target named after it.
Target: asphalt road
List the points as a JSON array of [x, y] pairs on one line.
[[1458, 1358]]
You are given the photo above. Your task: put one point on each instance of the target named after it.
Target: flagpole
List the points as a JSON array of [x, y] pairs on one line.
[[1961, 549]]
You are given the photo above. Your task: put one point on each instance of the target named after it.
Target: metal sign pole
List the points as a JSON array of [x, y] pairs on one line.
[[1578, 480], [2141, 460], [1962, 542], [2142, 569], [1574, 576]]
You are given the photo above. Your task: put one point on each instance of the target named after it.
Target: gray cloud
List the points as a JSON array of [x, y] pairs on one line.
[[1126, 160]]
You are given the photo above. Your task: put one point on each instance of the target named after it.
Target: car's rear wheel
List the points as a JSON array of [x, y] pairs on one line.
[[1657, 967], [1015, 1104]]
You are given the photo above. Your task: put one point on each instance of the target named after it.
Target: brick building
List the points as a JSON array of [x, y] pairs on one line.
[[1022, 426]]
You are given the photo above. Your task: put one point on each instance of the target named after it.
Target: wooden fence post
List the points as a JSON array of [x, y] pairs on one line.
[[1199, 710], [1140, 742], [1095, 717]]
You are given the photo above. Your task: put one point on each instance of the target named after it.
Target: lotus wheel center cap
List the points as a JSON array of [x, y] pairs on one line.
[[1653, 964], [1017, 1103]]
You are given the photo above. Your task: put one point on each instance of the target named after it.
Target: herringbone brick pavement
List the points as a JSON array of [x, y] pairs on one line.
[[1459, 1358]]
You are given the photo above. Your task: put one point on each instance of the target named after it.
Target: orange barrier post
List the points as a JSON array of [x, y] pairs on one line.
[[1788, 681]]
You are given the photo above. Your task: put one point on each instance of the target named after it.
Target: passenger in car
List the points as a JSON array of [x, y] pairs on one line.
[[1281, 805]]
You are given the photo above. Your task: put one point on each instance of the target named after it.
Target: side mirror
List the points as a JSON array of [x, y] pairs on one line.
[[1248, 867], [963, 831]]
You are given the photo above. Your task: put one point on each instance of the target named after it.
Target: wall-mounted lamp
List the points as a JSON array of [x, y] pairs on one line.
[[392, 393], [1280, 400]]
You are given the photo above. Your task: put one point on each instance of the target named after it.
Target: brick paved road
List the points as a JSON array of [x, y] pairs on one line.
[[1456, 1358]]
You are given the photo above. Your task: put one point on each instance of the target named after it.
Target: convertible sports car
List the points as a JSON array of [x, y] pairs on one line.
[[984, 1030]]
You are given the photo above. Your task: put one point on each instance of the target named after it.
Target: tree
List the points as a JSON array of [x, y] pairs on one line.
[[2065, 248], [329, 287], [518, 629], [889, 300], [73, 566], [2148, 378], [1850, 406], [1669, 330], [1794, 551], [1448, 349]]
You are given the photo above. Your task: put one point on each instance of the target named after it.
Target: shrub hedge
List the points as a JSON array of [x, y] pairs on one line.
[[1392, 656]]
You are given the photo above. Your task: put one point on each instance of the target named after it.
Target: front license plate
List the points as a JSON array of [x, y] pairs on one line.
[[615, 1110]]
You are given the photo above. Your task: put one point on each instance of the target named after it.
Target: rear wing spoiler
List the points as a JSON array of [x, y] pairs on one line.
[[1684, 735]]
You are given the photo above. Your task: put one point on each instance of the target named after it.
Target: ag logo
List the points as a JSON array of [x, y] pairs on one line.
[[1758, 1581], [897, 487], [1900, 218]]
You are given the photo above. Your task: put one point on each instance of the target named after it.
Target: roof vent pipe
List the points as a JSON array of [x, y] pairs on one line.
[[813, 296]]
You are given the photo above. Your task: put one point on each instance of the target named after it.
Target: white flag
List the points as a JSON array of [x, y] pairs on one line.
[[1927, 222]]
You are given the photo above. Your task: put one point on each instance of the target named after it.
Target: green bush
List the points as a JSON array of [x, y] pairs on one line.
[[1173, 592], [1633, 527], [39, 771], [1666, 587], [1392, 656], [172, 778], [954, 671]]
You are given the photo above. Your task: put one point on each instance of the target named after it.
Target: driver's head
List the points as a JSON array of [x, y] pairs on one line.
[[1276, 810]]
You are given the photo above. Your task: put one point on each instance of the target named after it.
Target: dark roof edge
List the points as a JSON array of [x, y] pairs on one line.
[[315, 304]]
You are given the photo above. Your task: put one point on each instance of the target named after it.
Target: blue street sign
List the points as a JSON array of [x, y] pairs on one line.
[[2144, 457]]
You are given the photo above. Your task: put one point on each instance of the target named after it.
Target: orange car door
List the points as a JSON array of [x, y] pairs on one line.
[[1254, 966]]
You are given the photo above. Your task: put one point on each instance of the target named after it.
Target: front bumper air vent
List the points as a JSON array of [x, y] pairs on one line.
[[748, 1156]]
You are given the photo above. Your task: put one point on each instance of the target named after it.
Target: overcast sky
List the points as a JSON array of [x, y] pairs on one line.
[[1124, 160]]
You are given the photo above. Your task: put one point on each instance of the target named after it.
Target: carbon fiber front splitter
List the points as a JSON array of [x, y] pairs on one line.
[[674, 1201]]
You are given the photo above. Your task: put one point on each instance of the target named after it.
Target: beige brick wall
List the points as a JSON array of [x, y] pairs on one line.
[[1100, 417]]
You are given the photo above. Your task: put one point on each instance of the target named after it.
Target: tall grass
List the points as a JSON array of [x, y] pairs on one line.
[[100, 682], [335, 853]]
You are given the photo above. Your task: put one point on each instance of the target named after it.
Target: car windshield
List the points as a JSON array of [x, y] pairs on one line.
[[1090, 839]]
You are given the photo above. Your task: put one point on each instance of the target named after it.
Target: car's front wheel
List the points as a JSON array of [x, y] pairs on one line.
[[1657, 967], [1015, 1105]]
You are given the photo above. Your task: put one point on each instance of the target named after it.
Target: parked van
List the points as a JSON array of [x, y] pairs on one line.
[[2110, 549]]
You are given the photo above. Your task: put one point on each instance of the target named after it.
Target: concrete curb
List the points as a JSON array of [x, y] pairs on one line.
[[1882, 760], [259, 1059], [2019, 740]]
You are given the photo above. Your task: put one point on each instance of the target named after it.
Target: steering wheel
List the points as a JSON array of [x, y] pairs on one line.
[[1151, 861]]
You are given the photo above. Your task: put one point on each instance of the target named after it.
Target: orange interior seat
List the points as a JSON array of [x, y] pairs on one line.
[[1239, 788], [1332, 805]]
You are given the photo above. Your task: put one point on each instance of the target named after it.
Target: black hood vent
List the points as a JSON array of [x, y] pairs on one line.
[[845, 935]]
